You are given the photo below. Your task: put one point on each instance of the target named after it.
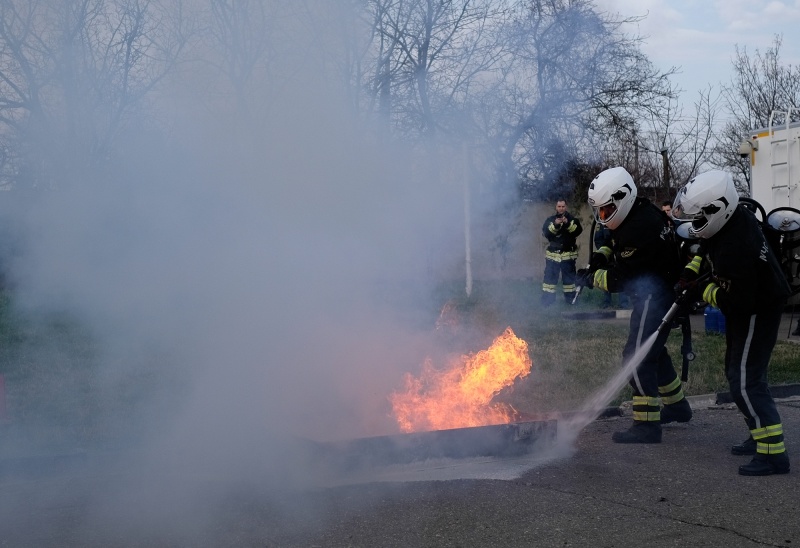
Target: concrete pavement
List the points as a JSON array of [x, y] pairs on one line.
[[682, 492], [586, 491]]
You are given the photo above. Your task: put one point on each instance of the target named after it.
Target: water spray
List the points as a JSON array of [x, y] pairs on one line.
[[600, 399]]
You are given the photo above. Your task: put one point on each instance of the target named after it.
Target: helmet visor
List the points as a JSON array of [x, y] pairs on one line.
[[605, 212], [684, 212], [679, 212]]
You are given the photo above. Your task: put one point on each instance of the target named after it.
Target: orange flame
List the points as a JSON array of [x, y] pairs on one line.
[[461, 396]]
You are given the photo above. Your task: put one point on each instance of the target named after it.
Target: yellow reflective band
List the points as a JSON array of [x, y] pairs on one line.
[[569, 255], [605, 250], [710, 294], [553, 256], [767, 431], [548, 288], [694, 266], [572, 226], [670, 387], [770, 448], [552, 228], [647, 416], [667, 400], [601, 279], [645, 400], [568, 288]]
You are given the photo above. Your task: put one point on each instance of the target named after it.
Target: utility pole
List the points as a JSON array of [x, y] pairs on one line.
[[666, 169], [466, 164]]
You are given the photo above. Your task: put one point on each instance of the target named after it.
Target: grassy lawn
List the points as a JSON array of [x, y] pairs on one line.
[[573, 358], [58, 385]]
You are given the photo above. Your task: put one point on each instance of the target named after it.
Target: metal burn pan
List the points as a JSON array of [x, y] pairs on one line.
[[501, 440]]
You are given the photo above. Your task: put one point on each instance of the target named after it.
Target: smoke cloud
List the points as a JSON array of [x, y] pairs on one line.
[[249, 289]]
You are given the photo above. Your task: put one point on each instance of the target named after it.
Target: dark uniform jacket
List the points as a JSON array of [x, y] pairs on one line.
[[562, 237], [744, 266], [645, 252]]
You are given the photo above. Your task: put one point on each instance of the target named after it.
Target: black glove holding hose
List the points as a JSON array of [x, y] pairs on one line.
[[690, 286], [584, 277]]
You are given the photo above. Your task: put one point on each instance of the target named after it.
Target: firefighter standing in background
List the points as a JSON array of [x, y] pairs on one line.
[[748, 286], [666, 207], [561, 231], [642, 259]]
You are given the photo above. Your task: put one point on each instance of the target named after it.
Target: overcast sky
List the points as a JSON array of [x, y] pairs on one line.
[[700, 36]]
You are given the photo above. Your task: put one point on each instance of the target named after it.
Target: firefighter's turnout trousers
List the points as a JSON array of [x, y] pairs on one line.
[[750, 340], [558, 262], [655, 377]]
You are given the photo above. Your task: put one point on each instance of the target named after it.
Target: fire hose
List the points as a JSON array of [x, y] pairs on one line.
[[685, 303], [682, 303]]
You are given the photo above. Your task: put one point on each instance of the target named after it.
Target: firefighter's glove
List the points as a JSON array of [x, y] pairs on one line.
[[597, 260], [584, 278], [687, 293], [684, 286]]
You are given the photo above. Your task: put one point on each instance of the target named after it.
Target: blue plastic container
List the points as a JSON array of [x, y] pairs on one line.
[[714, 320]]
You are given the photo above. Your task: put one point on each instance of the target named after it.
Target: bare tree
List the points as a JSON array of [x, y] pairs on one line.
[[761, 84], [573, 81], [73, 72], [427, 56], [242, 35], [673, 145]]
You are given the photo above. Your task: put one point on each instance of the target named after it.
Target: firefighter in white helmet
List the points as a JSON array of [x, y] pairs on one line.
[[643, 260], [750, 289]]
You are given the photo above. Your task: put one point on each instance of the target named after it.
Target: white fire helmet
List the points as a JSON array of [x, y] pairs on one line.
[[708, 201], [611, 195]]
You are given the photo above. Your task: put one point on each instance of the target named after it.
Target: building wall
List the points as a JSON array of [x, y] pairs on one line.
[[525, 257]]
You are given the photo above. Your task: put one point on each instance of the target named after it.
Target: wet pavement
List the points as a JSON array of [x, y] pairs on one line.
[[682, 492], [569, 491]]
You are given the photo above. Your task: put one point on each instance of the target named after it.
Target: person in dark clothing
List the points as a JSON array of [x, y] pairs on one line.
[[666, 207], [749, 287], [643, 260], [602, 237], [561, 231]]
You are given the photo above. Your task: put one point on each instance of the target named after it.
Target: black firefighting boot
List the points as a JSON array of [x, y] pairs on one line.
[[680, 411], [747, 447], [569, 296], [766, 465], [640, 432]]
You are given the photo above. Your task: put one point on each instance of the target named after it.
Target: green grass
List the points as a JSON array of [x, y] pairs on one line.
[[58, 386], [573, 358], [59, 390]]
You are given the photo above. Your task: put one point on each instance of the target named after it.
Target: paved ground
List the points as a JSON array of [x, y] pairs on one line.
[[588, 492], [684, 491]]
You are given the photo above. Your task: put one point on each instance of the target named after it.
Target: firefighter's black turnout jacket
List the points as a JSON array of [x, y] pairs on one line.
[[744, 266], [562, 237], [642, 252]]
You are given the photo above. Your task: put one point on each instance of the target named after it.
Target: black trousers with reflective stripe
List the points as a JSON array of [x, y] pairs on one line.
[[750, 340], [656, 368], [564, 268]]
